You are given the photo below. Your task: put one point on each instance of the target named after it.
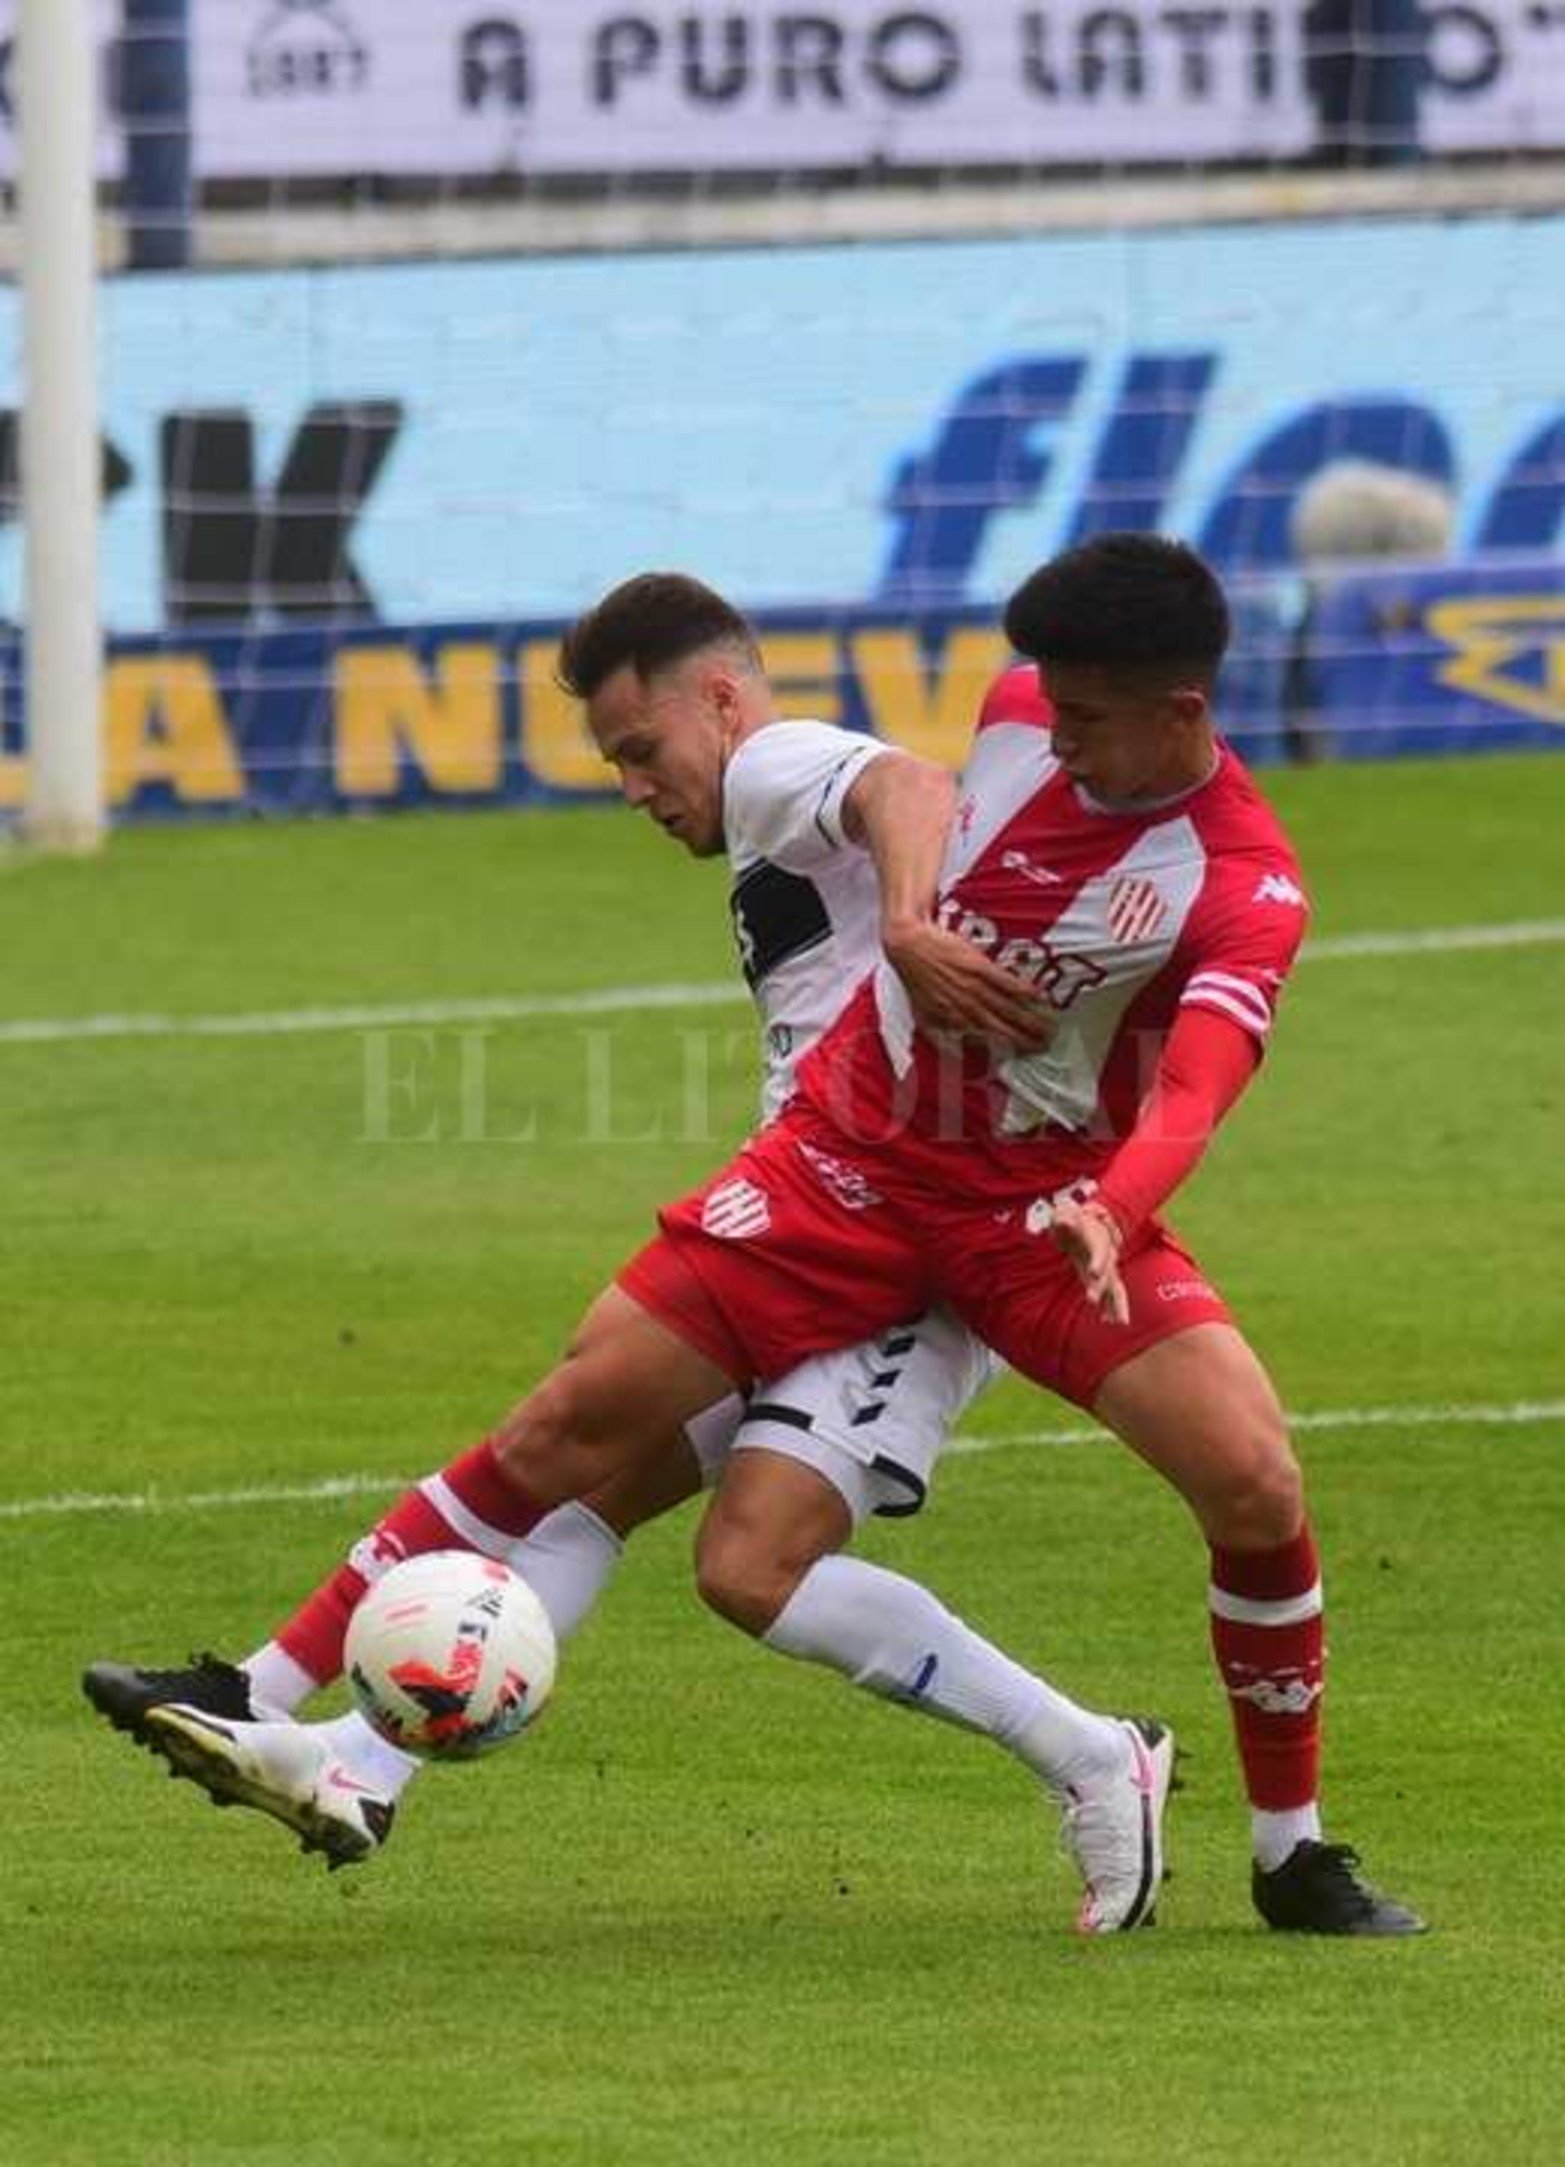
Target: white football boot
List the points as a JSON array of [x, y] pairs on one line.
[[292, 1771], [1113, 1829]]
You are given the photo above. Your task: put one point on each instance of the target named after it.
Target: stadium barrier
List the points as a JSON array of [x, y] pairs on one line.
[[315, 720]]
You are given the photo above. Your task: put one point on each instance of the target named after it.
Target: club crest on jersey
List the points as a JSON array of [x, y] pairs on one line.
[[735, 1210], [1135, 909]]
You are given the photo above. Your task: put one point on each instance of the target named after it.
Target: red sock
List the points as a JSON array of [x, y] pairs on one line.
[[1268, 1637], [470, 1505]]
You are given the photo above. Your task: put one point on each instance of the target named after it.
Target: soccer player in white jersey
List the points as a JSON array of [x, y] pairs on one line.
[[800, 809], [1073, 993]]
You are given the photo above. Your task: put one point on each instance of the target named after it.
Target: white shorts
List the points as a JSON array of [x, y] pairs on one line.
[[872, 1419]]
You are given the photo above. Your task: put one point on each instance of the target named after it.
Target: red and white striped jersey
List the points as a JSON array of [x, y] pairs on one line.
[[1118, 919]]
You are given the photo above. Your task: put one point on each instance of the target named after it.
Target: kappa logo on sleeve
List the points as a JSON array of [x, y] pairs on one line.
[[1278, 888], [735, 1210]]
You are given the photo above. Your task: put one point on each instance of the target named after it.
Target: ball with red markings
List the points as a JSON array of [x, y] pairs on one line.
[[449, 1655]]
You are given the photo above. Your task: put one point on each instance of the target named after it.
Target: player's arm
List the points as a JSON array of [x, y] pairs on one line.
[[1206, 1062], [900, 809]]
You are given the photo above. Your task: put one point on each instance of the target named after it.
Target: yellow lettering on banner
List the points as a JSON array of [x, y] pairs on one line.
[[164, 723], [557, 746], [387, 708], [931, 712], [804, 668]]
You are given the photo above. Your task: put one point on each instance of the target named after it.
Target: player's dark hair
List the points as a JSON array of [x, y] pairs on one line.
[[1136, 602], [652, 622]]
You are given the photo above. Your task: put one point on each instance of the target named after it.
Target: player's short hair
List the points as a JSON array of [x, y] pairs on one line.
[[652, 622], [1132, 602]]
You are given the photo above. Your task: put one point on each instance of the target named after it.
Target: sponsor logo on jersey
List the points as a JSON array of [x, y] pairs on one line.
[[1278, 888], [839, 1179], [735, 1210], [1055, 973], [1136, 909]]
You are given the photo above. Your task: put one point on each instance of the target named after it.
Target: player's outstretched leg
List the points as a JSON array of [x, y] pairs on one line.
[[596, 1419], [336, 1784], [767, 1561], [468, 1505], [1199, 1407]]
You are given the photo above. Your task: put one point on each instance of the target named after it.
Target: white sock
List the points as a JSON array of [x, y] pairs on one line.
[[370, 1756], [277, 1683], [893, 1637], [567, 1561], [1273, 1836]]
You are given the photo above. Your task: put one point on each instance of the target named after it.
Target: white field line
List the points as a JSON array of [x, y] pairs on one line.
[[628, 1000], [1518, 1414], [288, 1022]]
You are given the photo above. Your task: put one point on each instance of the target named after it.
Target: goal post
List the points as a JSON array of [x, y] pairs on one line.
[[59, 441]]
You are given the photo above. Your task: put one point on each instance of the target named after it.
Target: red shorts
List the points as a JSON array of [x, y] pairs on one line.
[[793, 1250]]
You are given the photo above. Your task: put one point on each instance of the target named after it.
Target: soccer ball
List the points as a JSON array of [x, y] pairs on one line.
[[449, 1654]]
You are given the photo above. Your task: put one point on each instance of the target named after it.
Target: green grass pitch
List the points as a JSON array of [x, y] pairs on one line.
[[719, 1908]]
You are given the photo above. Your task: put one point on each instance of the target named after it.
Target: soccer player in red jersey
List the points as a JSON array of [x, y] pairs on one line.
[[1075, 989]]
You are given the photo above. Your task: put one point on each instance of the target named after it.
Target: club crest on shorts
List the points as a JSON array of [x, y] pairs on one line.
[[734, 1210]]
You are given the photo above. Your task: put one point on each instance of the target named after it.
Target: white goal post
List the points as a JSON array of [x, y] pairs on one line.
[[59, 443]]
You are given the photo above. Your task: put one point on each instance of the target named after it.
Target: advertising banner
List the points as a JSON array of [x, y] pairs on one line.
[[321, 88], [470, 714], [913, 426], [1454, 659], [1459, 659]]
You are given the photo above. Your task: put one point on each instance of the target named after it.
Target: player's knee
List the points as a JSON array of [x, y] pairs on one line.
[[1261, 1503], [546, 1443], [740, 1576]]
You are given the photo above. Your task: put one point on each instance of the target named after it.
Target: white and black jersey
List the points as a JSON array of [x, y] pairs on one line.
[[805, 901], [806, 910]]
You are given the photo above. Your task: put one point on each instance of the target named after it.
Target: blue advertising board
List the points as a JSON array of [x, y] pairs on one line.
[[1457, 659], [471, 714], [444, 461], [1460, 658]]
